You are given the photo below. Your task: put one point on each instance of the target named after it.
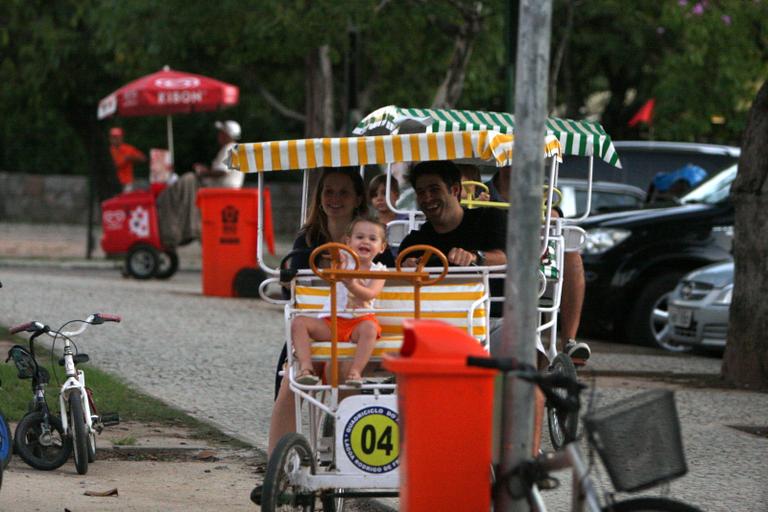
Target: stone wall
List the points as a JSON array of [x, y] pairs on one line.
[[43, 198], [54, 199]]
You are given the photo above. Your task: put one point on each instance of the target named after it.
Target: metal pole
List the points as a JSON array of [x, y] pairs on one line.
[[523, 232], [91, 199], [169, 129]]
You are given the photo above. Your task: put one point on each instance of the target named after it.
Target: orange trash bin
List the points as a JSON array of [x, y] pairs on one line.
[[446, 411], [229, 235]]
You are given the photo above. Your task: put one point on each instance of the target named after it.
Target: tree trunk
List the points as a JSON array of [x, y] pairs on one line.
[[319, 93], [745, 362], [449, 91], [560, 53]]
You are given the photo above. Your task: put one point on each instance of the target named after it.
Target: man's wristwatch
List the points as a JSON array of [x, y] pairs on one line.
[[479, 258]]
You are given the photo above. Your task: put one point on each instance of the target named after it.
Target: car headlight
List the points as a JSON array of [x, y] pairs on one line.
[[724, 297], [600, 240]]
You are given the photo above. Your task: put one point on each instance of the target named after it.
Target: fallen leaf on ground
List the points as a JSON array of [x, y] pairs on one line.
[[206, 455], [111, 492]]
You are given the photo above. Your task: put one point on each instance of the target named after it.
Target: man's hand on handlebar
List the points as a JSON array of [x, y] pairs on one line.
[[460, 257]]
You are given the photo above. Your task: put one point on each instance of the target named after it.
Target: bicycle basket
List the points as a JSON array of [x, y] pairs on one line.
[[25, 364], [639, 440]]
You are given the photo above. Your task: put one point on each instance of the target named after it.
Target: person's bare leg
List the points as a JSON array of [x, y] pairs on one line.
[[538, 407], [364, 335], [573, 296], [283, 418], [304, 329]]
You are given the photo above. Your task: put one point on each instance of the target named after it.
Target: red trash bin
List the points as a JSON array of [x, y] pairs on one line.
[[229, 235], [446, 411]]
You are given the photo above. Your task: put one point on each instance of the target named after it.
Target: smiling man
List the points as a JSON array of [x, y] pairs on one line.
[[466, 237]]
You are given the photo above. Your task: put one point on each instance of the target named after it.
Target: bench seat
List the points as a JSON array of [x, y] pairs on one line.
[[462, 302]]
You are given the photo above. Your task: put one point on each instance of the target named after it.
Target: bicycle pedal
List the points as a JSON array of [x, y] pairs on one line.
[[110, 419]]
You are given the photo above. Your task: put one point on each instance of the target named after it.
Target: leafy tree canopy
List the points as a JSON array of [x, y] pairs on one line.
[[702, 61]]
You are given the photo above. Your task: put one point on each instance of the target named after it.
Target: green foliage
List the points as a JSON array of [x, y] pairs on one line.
[[697, 58], [125, 441], [58, 59]]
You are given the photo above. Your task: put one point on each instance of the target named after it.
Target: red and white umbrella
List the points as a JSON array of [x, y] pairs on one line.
[[168, 92]]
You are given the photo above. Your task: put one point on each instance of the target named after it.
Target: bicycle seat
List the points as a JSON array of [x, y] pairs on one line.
[[79, 358]]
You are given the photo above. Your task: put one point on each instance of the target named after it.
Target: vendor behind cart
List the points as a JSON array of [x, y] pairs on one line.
[[178, 217]]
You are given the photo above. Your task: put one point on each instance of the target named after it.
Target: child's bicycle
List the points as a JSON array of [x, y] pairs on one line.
[[42, 439], [638, 440], [5, 444], [6, 450]]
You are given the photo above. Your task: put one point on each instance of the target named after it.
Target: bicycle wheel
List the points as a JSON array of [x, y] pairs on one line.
[[291, 455], [652, 504], [563, 427], [78, 431], [6, 449], [331, 503], [91, 447], [44, 451]]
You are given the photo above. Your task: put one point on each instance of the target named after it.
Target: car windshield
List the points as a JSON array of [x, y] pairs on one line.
[[714, 190]]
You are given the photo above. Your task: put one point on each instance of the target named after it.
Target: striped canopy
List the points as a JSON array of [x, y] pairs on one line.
[[582, 138], [483, 145]]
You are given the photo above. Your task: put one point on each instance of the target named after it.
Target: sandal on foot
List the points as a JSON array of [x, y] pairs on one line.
[[355, 381], [307, 377]]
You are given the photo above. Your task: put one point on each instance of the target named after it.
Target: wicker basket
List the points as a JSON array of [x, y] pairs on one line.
[[639, 440], [25, 364]]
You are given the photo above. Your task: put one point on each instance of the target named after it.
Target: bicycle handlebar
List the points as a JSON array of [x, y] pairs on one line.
[[94, 319], [105, 317], [28, 327], [548, 383], [503, 364]]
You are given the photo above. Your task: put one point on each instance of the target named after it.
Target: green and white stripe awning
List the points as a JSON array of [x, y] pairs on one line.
[[581, 138]]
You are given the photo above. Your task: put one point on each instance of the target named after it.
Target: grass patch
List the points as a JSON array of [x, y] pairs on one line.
[[125, 441], [111, 394]]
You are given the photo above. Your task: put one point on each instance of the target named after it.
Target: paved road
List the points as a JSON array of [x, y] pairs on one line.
[[214, 358]]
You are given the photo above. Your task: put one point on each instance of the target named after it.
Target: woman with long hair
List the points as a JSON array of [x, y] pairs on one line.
[[338, 198]]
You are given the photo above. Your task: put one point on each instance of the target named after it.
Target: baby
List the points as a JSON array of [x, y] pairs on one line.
[[367, 238]]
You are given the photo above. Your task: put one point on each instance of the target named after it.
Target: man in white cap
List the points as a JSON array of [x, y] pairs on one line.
[[178, 217], [218, 175]]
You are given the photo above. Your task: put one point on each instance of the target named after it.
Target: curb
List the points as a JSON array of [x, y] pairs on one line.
[[76, 264]]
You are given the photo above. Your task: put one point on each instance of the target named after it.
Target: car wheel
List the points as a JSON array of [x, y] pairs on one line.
[[649, 322]]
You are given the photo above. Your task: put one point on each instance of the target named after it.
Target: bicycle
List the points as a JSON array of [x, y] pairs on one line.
[[6, 451], [609, 431], [5, 443], [43, 440]]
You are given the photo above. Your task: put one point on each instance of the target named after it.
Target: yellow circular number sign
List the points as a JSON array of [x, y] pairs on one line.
[[372, 439]]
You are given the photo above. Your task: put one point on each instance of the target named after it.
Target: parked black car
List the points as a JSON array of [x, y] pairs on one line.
[[633, 259]]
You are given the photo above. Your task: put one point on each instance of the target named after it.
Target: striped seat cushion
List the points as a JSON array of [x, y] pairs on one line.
[[450, 302]]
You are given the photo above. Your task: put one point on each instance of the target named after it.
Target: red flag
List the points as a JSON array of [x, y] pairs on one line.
[[644, 115]]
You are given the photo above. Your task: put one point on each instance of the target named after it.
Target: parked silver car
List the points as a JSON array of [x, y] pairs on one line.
[[698, 307]]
